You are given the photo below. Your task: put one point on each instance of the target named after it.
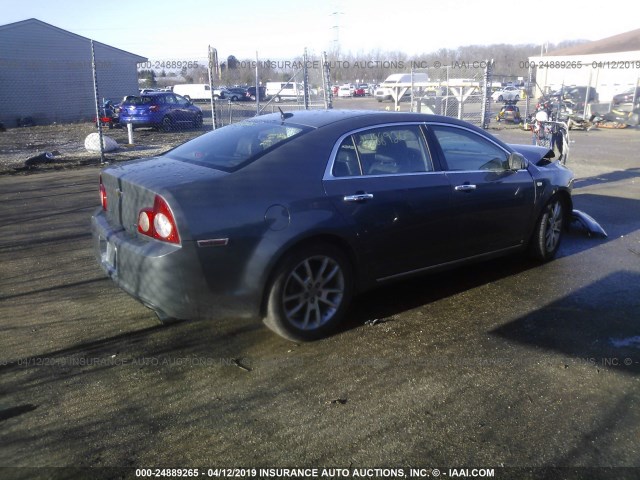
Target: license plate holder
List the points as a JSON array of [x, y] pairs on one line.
[[109, 254]]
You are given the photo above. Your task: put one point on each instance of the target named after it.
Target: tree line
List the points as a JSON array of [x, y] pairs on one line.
[[371, 66]]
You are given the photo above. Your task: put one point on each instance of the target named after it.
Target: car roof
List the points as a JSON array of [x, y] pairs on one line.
[[359, 118]]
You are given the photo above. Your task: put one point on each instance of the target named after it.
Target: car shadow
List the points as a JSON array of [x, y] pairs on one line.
[[384, 302], [605, 337], [612, 213], [608, 177]]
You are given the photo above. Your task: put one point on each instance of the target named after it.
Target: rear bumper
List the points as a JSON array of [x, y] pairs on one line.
[[141, 121], [164, 277]]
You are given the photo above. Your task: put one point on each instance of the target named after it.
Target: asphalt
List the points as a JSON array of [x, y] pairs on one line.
[[505, 365]]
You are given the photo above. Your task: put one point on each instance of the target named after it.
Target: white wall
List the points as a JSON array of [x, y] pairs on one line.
[[608, 73]]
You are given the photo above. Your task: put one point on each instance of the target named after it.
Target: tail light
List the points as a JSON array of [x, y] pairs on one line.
[[158, 222], [103, 195]]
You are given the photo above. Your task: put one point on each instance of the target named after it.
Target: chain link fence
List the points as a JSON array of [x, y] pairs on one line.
[[141, 106], [451, 91]]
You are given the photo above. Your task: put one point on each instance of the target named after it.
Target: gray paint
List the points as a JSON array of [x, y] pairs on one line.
[[45, 73]]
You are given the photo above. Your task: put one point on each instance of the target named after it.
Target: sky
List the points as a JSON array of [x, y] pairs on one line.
[[281, 29]]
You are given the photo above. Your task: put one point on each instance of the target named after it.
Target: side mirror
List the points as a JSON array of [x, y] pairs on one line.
[[517, 162]]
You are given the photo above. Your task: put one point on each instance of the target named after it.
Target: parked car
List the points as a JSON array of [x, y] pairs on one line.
[[576, 94], [163, 110], [368, 89], [280, 91], [382, 94], [345, 91], [385, 93], [287, 216], [579, 94], [627, 96], [509, 93], [236, 93], [251, 93], [359, 92], [440, 104]]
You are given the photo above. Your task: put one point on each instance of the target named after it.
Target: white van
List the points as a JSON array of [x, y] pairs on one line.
[[284, 91], [399, 84], [197, 92]]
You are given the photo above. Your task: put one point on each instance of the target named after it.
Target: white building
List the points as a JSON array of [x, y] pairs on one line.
[[610, 65]]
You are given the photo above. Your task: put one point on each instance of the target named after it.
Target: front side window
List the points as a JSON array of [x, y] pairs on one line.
[[180, 100], [465, 150], [393, 150], [229, 148]]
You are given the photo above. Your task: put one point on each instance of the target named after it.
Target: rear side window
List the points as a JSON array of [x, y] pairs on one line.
[[393, 150], [233, 146]]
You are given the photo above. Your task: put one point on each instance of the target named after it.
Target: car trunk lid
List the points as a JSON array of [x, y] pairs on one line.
[[133, 186]]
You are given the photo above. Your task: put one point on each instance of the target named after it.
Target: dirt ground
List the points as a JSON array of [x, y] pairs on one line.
[[66, 142]]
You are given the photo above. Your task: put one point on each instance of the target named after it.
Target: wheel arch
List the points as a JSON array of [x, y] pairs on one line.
[[567, 203], [320, 238]]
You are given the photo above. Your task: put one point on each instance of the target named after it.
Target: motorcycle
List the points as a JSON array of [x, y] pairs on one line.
[[549, 133], [109, 115], [509, 112]]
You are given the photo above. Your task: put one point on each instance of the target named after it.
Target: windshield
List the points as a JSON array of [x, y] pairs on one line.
[[233, 146]]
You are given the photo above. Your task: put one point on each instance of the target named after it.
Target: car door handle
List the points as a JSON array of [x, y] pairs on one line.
[[358, 197], [464, 188]]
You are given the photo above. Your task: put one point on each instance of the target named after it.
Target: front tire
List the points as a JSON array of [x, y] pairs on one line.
[[197, 122], [548, 231], [310, 293]]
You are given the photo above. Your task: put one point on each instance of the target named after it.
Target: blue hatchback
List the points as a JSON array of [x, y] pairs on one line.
[[163, 110]]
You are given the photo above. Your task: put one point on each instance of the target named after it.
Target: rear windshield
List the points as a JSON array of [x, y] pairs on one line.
[[233, 146], [135, 100]]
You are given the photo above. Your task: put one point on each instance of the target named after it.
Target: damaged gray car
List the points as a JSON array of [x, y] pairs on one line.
[[286, 217]]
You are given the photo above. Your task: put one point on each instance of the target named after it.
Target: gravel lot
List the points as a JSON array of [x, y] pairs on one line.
[[504, 365]]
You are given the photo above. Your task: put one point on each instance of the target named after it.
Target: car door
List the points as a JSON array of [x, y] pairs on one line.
[[177, 107], [383, 182], [492, 204], [187, 111]]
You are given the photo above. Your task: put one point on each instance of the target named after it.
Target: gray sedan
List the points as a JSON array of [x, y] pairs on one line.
[[285, 217]]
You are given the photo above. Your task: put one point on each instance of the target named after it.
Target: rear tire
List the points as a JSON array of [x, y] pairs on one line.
[[548, 231], [167, 124], [310, 293]]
